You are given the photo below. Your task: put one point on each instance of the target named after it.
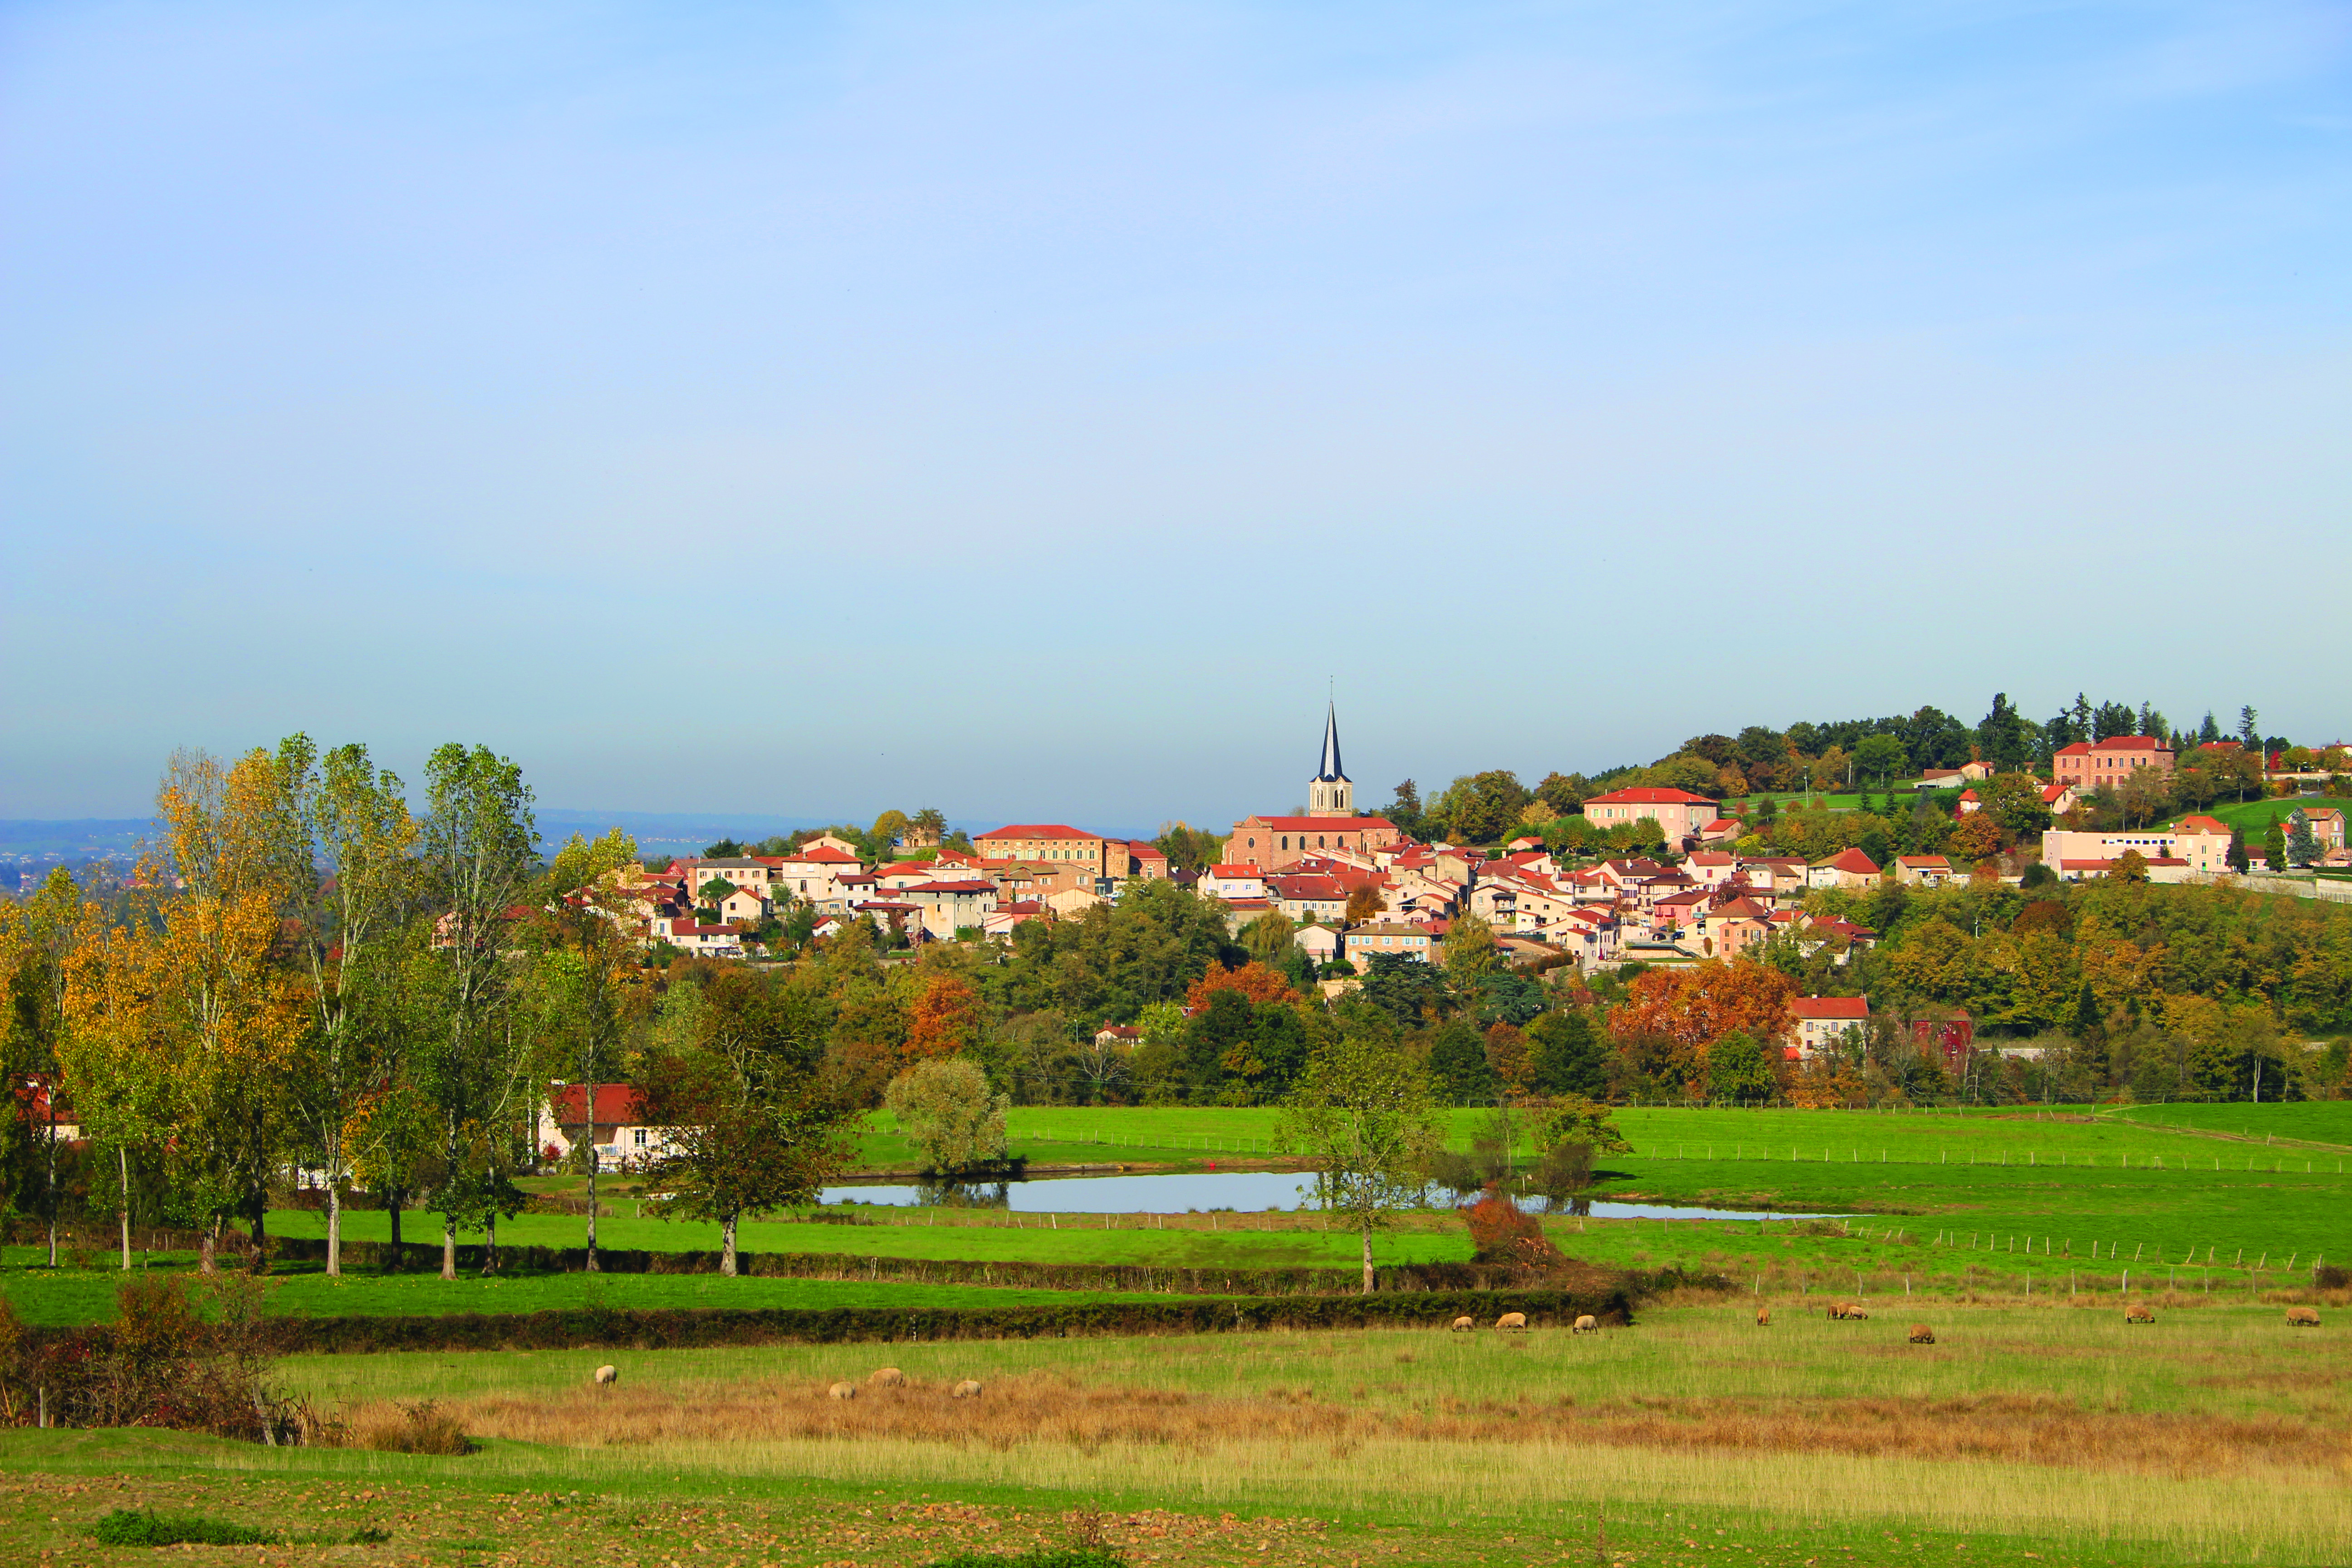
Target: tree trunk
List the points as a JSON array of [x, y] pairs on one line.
[[490, 1244], [448, 1248], [727, 1249], [261, 1235], [391, 1196], [124, 1156], [1368, 1254], [205, 1246], [592, 1200], [334, 1230]]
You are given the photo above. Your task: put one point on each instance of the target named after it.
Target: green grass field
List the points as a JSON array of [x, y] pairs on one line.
[[2255, 816], [2226, 1197]]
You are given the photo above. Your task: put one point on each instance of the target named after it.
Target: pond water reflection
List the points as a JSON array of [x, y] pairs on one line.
[[1181, 1191]]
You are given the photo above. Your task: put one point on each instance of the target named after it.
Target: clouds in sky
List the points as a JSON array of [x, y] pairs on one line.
[[1024, 410]]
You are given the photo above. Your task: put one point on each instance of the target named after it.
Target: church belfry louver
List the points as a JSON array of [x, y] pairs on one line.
[[1329, 794]]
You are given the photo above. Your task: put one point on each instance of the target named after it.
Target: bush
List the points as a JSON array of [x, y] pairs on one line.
[[2331, 1276], [160, 1364], [1504, 1233], [145, 1526], [422, 1429]]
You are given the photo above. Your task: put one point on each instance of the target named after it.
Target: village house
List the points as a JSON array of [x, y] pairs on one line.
[[1953, 778], [1734, 928], [950, 907], [1818, 1022], [1925, 870], [1231, 881], [813, 874], [2089, 765], [744, 905], [1363, 942], [618, 1131], [2203, 842], [1679, 814], [1321, 944], [1309, 898], [1055, 844]]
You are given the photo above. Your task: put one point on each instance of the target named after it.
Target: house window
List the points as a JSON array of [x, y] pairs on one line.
[[639, 1136]]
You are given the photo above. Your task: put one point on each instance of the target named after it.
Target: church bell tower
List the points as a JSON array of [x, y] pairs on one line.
[[1329, 794]]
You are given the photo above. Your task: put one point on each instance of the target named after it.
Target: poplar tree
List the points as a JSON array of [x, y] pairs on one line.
[[344, 843], [479, 851]]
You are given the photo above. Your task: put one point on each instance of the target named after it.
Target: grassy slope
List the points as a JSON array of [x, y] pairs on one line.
[[2255, 816]]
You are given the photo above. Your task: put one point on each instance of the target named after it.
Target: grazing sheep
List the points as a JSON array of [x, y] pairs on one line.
[[1463, 1325], [2137, 1312], [967, 1389], [1921, 1334], [608, 1374], [2303, 1317], [841, 1390], [1853, 1310], [1512, 1320], [1586, 1324], [886, 1377], [1763, 1317], [1841, 1309]]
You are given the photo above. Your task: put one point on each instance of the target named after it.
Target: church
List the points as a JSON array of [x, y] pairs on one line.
[[1270, 843]]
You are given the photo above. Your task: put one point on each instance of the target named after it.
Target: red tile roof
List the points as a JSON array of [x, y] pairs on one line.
[[615, 1102], [1323, 823], [1648, 797], [1829, 1006], [1037, 831], [1854, 864]]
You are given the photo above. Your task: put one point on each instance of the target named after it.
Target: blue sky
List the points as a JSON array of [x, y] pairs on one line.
[[1026, 410]]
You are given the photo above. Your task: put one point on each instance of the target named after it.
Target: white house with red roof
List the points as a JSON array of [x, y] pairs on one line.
[[1846, 868], [618, 1128], [1924, 870], [1232, 880], [2059, 798], [814, 873], [1710, 867], [1679, 814], [1817, 1023]]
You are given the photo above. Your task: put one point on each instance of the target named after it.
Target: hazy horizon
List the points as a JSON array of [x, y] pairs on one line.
[[1034, 410]]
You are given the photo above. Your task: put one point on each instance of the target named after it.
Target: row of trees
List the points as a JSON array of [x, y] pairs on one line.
[[308, 977]]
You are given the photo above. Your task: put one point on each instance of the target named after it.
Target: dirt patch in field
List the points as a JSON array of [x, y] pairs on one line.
[[1053, 1409]]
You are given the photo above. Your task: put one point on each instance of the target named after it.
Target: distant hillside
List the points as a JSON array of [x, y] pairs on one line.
[[74, 839]]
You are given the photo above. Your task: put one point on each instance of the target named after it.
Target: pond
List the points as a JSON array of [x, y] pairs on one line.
[[1183, 1192]]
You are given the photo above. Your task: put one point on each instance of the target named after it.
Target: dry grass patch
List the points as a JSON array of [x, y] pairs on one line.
[[1052, 1409]]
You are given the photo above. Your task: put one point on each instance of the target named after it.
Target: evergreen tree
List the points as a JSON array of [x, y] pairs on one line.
[[1457, 1062], [1567, 1057], [2209, 732]]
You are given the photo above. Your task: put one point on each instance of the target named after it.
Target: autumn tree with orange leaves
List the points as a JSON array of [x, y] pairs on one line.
[[1672, 1017], [946, 1019], [1257, 983]]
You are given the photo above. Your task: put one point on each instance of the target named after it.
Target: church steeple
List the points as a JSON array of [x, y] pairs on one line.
[[1329, 794]]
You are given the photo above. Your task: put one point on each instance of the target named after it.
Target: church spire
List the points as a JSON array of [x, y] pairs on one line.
[[1330, 772], [1329, 794]]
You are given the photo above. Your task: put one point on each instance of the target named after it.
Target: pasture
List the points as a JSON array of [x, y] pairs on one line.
[[2022, 1435]]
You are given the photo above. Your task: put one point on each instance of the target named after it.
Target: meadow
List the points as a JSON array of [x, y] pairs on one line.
[[2231, 1199], [2022, 1435]]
